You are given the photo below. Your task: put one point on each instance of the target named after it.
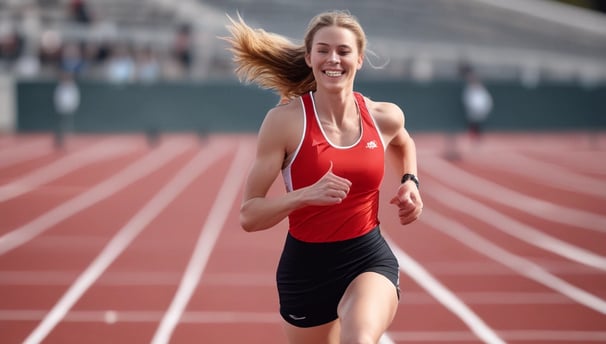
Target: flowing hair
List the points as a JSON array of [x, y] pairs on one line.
[[274, 62]]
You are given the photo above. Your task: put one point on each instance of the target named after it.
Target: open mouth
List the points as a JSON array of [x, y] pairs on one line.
[[333, 73]]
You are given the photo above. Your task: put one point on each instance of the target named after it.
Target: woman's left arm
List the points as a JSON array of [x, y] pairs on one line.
[[402, 155]]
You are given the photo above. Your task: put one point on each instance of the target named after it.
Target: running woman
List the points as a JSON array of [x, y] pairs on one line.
[[337, 278]]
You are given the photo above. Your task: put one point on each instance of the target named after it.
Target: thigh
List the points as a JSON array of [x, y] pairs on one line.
[[322, 334], [368, 307]]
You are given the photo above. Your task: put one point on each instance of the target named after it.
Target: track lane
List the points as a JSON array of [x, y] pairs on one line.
[[238, 284], [517, 308], [147, 164], [544, 181], [71, 244], [481, 280], [97, 154], [124, 238], [18, 149]]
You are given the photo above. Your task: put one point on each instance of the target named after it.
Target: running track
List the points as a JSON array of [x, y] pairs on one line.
[[113, 241]]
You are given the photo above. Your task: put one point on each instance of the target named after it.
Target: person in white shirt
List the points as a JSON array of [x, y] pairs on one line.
[[477, 102]]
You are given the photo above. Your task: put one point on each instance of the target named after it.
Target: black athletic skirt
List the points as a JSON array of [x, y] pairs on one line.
[[312, 277]]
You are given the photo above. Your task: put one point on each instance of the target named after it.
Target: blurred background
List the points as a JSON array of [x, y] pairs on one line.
[[158, 65]]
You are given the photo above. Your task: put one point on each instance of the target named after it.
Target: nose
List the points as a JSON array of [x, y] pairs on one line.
[[334, 57]]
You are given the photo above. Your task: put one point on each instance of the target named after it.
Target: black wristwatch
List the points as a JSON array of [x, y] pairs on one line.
[[410, 176]]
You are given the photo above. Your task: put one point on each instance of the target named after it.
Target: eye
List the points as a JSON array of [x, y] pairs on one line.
[[344, 52]]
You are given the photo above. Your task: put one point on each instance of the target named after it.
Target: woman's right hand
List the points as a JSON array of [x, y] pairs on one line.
[[328, 190]]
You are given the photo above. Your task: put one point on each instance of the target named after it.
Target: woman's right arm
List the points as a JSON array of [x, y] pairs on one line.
[[259, 212]]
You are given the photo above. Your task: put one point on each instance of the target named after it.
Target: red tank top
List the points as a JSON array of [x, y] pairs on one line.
[[362, 163]]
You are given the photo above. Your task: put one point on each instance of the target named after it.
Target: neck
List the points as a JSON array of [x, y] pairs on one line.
[[335, 107]]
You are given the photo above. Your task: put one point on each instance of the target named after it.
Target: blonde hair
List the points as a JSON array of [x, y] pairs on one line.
[[274, 62]]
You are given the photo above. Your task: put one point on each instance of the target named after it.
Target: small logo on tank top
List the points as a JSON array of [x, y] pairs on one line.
[[371, 144]]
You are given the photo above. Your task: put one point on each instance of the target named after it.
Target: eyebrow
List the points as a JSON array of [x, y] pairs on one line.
[[339, 46]]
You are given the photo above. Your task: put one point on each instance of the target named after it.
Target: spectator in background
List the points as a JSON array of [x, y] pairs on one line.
[[49, 52], [182, 48], [72, 60], [11, 46], [477, 102], [96, 54], [28, 65], [67, 102], [121, 66], [147, 66], [79, 12]]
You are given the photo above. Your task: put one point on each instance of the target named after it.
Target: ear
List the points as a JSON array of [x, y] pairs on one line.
[[308, 60], [360, 62]]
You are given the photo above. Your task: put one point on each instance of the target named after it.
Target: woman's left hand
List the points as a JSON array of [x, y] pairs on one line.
[[409, 202]]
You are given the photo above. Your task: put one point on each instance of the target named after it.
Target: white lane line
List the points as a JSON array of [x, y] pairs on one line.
[[493, 298], [103, 150], [386, 339], [235, 317], [28, 151], [130, 316], [209, 234], [251, 280], [125, 236], [117, 182], [555, 336], [490, 268], [592, 162], [544, 173], [523, 266], [549, 336], [467, 182], [243, 317], [413, 269], [66, 278], [513, 227]]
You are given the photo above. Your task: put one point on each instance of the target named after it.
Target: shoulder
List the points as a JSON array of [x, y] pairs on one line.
[[388, 116], [284, 113], [283, 124]]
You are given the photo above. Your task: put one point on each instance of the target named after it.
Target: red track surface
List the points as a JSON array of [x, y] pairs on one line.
[[113, 241]]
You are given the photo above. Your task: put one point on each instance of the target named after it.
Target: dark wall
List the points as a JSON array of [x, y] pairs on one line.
[[167, 107], [231, 107], [437, 106]]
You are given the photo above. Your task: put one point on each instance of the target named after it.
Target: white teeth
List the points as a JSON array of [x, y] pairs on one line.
[[333, 73]]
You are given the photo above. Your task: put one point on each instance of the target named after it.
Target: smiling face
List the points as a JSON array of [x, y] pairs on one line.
[[334, 57]]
